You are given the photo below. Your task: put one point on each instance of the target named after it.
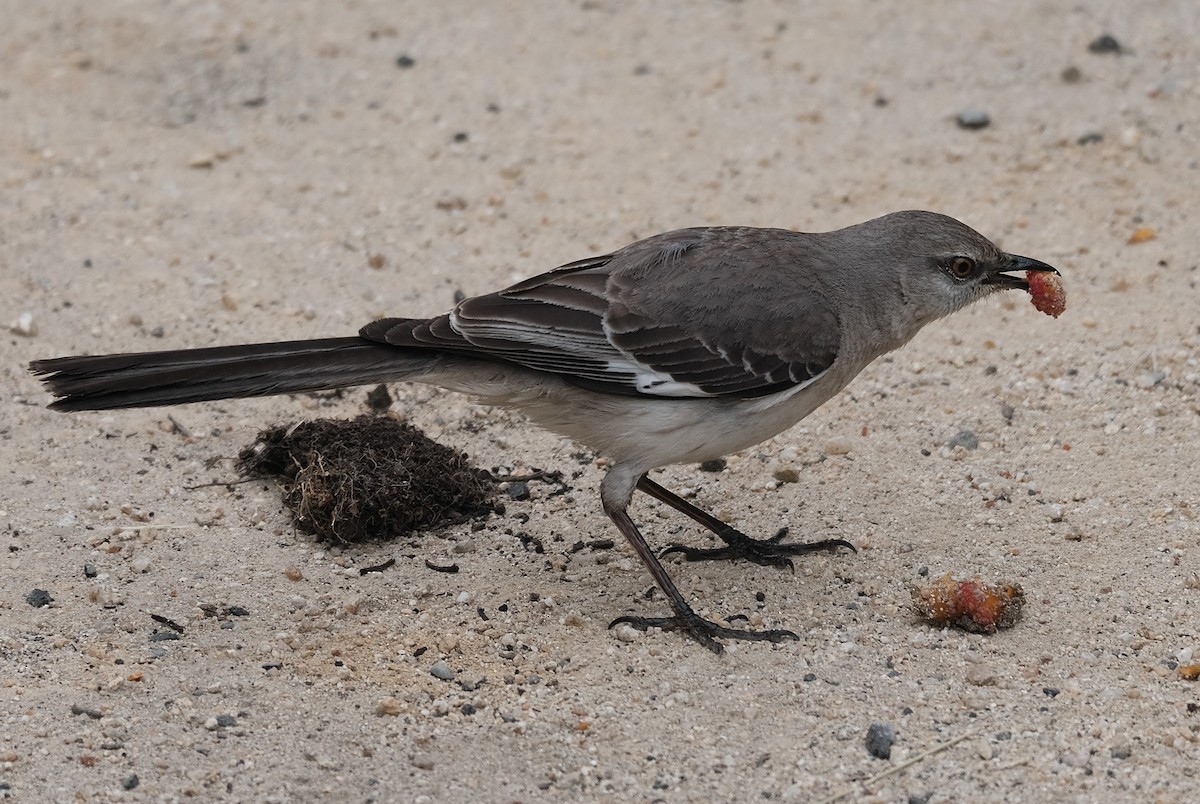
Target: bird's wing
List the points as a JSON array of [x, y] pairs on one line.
[[620, 323]]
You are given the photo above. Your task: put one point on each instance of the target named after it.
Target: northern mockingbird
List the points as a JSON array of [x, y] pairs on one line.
[[682, 347]]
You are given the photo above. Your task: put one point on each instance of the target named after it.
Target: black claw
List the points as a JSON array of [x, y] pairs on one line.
[[763, 557], [764, 552], [769, 552], [704, 631]]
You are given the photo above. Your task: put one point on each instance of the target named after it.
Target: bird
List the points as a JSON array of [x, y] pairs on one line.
[[682, 347]]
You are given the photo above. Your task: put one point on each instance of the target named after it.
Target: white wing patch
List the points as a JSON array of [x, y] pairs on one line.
[[655, 383], [771, 400]]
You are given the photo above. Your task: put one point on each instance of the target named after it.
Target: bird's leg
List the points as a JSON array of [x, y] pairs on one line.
[[703, 631], [770, 552]]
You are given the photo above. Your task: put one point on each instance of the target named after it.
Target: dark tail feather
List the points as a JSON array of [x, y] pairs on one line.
[[146, 379]]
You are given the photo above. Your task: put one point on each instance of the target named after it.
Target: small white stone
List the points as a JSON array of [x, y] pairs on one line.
[[1149, 379], [838, 445], [141, 564], [625, 632], [24, 325], [65, 525]]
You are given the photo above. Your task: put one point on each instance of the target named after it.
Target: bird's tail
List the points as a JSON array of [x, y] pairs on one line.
[[146, 379]]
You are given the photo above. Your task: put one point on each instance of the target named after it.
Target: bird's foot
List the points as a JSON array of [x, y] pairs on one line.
[[765, 552], [706, 632]]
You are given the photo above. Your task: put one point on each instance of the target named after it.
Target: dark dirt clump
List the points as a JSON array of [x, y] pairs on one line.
[[368, 478]]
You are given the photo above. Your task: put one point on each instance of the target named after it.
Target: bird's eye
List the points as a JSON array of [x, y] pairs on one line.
[[961, 267]]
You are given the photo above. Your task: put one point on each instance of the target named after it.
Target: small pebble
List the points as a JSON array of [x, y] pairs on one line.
[[518, 490], [787, 474], [378, 398], [1149, 379], [1072, 75], [625, 632], [441, 670], [1130, 137], [81, 709], [388, 706], [39, 598], [131, 781], [880, 737], [715, 465], [141, 564], [982, 675], [422, 761], [24, 326], [1104, 44], [973, 118], [965, 439], [1142, 234], [838, 445]]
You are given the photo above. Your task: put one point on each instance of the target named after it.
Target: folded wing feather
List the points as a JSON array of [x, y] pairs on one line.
[[577, 323]]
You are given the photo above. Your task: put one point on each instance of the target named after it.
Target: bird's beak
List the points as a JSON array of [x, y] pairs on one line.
[[1012, 274]]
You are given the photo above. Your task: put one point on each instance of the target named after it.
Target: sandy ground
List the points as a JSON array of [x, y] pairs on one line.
[[189, 174]]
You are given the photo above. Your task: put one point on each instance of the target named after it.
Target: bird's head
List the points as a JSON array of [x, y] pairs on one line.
[[945, 265]]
